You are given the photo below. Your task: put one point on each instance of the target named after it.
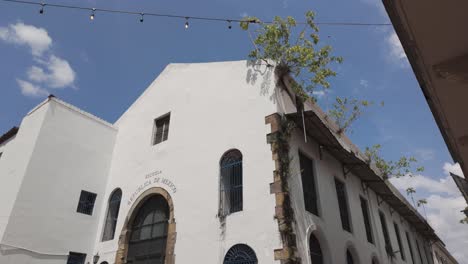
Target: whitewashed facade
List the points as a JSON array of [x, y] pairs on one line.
[[210, 108]]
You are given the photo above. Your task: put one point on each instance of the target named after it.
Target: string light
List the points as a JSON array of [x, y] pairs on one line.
[[42, 9], [92, 14], [141, 19], [212, 19]]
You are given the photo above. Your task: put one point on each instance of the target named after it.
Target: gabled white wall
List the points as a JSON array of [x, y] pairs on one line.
[[71, 152], [214, 107]]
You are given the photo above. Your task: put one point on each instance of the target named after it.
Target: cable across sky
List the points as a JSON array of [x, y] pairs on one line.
[[141, 15]]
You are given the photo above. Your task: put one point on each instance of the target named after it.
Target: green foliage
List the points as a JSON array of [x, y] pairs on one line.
[[410, 191], [402, 167], [345, 111], [294, 53], [422, 202]]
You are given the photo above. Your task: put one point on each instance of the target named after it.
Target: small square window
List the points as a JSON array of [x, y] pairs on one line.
[[86, 203], [161, 129], [76, 258]]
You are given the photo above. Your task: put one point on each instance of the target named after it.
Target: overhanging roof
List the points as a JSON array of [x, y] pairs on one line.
[[434, 38], [319, 127], [9, 134], [462, 184]]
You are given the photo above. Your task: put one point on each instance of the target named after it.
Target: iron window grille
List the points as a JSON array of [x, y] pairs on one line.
[[315, 250], [76, 258], [240, 254], [86, 203], [343, 205], [400, 245], [161, 129], [112, 215], [367, 221], [388, 243], [231, 199], [148, 235], [308, 184], [410, 247]]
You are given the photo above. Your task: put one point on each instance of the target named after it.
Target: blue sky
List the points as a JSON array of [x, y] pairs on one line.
[[104, 65]]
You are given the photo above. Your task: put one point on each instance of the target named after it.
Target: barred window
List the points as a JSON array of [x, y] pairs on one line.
[[400, 245], [112, 215], [161, 129], [76, 258], [315, 250], [86, 203], [240, 254], [410, 247], [308, 184], [343, 205], [231, 183], [367, 221], [388, 243]]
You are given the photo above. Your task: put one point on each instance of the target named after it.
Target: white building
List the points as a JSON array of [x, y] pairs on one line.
[[200, 169]]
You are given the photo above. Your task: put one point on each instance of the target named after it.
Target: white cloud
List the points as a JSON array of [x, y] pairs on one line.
[[377, 4], [319, 93], [29, 89], [396, 53], [59, 73], [36, 38], [453, 168], [244, 14], [50, 70], [423, 183], [364, 83], [444, 205], [425, 154]]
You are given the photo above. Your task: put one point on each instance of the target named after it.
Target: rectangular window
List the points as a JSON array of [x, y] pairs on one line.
[[419, 251], [76, 258], [86, 203], [308, 184], [343, 205], [400, 245], [161, 129], [388, 243], [367, 222], [410, 247]]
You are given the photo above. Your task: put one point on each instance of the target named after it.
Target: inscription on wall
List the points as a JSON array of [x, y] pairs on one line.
[[152, 178]]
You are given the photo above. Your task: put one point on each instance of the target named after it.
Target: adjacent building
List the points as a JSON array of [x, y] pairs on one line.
[[213, 163], [440, 64]]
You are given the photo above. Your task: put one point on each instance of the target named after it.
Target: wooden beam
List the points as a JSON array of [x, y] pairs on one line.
[[453, 69]]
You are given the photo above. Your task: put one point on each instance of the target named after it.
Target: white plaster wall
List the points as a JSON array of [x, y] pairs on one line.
[[14, 161], [327, 227], [214, 107], [71, 152]]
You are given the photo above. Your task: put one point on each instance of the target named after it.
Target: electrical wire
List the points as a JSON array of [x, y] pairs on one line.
[[184, 17]]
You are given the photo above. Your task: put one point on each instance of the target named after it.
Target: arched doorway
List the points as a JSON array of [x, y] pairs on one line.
[[315, 250], [148, 234]]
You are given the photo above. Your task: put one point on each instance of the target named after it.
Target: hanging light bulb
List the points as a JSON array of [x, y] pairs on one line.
[[92, 14], [141, 18], [42, 9], [186, 23], [229, 24]]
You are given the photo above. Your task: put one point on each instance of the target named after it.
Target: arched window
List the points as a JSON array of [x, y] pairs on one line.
[[148, 235], [349, 257], [315, 250], [231, 182], [375, 261], [112, 215], [240, 254]]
